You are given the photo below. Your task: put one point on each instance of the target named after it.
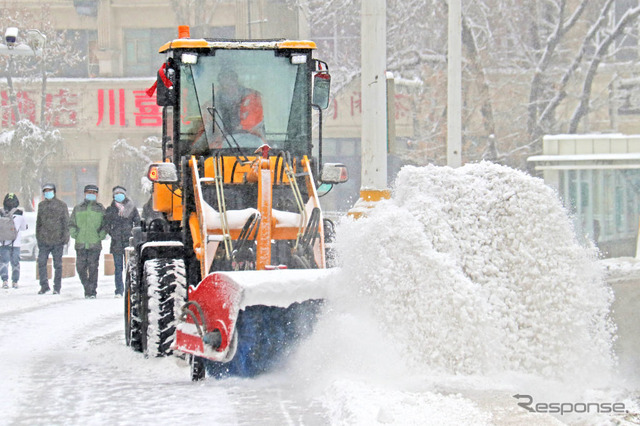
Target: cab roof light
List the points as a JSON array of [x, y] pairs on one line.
[[298, 59]]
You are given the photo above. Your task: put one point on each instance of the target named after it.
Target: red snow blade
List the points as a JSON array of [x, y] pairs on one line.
[[209, 317]]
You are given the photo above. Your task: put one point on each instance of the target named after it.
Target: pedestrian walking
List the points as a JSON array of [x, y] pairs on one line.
[[87, 228], [121, 216], [52, 233], [12, 223]]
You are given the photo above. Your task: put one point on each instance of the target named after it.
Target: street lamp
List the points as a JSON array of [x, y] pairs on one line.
[[36, 41], [11, 47], [34, 47]]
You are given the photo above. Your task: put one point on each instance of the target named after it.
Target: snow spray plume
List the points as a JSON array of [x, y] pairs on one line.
[[477, 270]]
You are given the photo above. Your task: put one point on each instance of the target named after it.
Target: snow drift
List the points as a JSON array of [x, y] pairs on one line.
[[477, 270]]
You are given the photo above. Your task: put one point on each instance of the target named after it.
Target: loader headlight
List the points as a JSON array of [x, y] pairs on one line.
[[163, 173], [334, 173]]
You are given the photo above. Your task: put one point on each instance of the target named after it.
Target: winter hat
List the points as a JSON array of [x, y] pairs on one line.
[[47, 186], [11, 201], [119, 190], [91, 187]]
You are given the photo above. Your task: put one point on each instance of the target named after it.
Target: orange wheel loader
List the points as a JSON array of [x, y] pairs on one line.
[[230, 268]]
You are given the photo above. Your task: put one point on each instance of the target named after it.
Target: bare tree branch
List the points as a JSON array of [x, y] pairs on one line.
[[583, 107], [561, 92]]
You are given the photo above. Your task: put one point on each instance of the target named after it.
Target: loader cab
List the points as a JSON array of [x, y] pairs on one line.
[[232, 97]]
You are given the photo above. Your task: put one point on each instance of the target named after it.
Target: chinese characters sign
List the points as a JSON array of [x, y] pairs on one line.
[[350, 105], [118, 105], [114, 108]]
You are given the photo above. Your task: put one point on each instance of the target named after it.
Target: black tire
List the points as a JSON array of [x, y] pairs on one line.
[[165, 281], [132, 306], [198, 371]]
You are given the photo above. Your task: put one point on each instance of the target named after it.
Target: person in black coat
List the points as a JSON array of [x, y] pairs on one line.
[[52, 233], [121, 216]]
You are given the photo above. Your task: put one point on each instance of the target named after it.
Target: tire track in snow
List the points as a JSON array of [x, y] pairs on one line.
[[84, 373], [71, 366]]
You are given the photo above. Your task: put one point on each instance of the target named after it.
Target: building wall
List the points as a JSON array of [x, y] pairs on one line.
[[597, 176], [93, 113], [119, 26]]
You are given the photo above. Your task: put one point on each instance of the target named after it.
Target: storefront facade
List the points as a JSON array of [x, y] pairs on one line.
[[598, 179]]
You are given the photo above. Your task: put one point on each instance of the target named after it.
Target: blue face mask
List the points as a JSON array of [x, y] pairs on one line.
[[49, 195], [119, 198], [90, 197]]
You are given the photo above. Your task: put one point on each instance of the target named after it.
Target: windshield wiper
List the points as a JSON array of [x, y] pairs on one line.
[[217, 120]]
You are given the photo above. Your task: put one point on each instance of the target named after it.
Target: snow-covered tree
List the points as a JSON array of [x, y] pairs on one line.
[[27, 150], [57, 56], [524, 62], [128, 166], [29, 147], [555, 57]]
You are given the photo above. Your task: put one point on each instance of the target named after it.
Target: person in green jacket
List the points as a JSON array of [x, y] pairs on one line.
[[87, 226]]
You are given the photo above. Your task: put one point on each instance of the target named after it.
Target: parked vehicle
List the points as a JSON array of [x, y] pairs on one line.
[[28, 243]]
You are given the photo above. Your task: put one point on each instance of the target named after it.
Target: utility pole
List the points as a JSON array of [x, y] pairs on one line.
[[373, 186], [12, 94], [37, 42], [454, 86]]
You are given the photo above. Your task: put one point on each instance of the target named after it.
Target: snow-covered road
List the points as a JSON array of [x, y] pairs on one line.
[[64, 361]]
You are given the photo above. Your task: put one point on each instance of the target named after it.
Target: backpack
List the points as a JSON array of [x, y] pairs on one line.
[[8, 231]]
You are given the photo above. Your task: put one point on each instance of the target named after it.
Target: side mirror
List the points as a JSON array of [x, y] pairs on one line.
[[166, 77], [163, 173], [334, 173], [321, 89]]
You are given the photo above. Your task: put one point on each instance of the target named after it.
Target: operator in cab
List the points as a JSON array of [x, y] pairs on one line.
[[240, 108], [238, 115]]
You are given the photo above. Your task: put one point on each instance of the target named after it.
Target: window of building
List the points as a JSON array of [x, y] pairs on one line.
[[81, 42], [70, 180], [604, 202], [141, 58], [221, 32], [346, 151]]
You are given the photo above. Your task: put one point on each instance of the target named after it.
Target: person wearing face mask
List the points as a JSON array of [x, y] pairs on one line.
[[121, 216], [52, 233], [87, 226]]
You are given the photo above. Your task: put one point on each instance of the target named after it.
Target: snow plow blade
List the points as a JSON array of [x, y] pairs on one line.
[[245, 321]]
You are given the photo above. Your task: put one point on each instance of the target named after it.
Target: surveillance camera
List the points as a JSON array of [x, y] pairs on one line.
[[10, 36]]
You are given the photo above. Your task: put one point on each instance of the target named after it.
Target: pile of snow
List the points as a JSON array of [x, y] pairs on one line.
[[621, 269], [477, 270]]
